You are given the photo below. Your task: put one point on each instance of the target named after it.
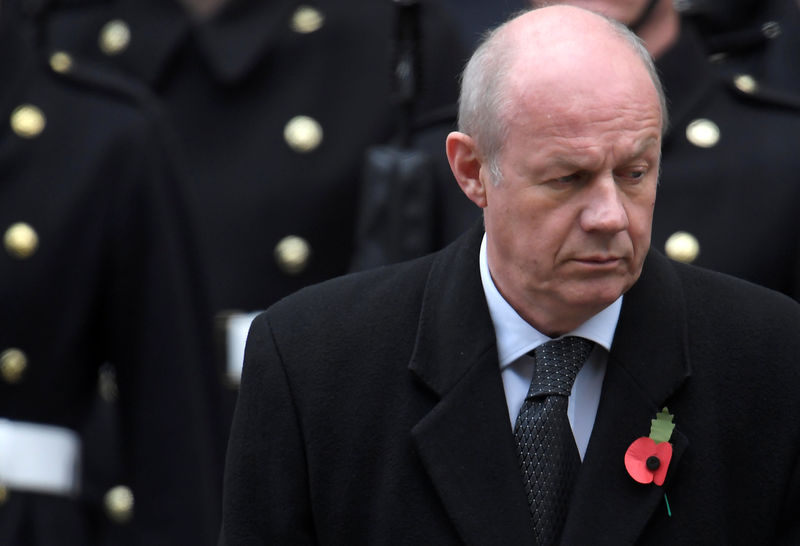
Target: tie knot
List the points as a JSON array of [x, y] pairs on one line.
[[557, 365]]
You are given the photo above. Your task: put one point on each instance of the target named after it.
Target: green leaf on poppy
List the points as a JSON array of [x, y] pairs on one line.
[[661, 427]]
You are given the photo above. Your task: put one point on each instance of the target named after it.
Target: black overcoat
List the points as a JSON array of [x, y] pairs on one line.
[[372, 412]]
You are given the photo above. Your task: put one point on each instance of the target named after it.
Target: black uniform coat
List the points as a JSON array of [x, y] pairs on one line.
[[740, 196], [761, 37], [232, 85], [109, 282], [372, 412]]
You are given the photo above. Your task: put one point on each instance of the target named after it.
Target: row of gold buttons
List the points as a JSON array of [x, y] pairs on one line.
[[21, 242], [302, 133], [20, 239], [703, 133]]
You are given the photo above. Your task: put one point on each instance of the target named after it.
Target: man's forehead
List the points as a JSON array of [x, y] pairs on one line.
[[632, 144], [564, 111], [611, 150]]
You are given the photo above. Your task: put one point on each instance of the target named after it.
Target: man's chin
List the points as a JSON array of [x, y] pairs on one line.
[[596, 295]]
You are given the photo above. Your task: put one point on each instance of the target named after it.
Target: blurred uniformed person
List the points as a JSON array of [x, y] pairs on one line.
[[96, 275], [275, 103]]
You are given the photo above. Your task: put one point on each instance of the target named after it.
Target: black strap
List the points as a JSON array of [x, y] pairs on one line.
[[406, 63]]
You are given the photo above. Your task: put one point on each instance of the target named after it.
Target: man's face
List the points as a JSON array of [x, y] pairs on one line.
[[568, 226]]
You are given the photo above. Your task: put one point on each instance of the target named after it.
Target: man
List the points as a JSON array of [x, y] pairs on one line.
[[97, 274], [385, 407]]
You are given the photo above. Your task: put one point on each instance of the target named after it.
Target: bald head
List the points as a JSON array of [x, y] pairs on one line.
[[535, 56]]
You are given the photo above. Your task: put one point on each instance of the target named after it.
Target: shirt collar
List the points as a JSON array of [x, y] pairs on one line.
[[515, 337]]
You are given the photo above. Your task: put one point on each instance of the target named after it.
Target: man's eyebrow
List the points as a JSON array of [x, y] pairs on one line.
[[644, 146], [566, 163], [558, 163], [574, 163]]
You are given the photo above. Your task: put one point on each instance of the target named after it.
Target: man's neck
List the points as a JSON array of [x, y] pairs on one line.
[[661, 29], [202, 9]]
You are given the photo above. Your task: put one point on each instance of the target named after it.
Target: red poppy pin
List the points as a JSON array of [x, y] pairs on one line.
[[647, 459]]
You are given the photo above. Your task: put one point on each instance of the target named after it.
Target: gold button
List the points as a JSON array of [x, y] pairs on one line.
[[292, 254], [21, 240], [682, 247], [306, 20], [746, 83], [3, 494], [717, 57], [114, 37], [303, 134], [60, 62], [107, 383], [703, 133], [118, 502], [27, 121], [13, 363]]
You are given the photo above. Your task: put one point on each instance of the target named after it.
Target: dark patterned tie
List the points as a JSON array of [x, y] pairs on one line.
[[548, 455]]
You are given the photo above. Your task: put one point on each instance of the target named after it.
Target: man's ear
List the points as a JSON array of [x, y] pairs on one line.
[[462, 153]]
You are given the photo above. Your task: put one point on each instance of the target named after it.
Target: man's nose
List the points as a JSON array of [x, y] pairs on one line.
[[604, 210]]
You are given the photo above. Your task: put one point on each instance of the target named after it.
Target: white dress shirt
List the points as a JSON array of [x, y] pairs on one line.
[[516, 338]]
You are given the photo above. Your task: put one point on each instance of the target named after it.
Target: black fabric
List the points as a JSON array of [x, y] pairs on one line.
[[765, 43]]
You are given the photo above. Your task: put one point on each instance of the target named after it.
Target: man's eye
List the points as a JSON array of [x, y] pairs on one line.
[[637, 174], [567, 179]]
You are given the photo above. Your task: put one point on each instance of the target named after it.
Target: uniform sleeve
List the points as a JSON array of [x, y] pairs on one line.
[[789, 530], [167, 401], [266, 491]]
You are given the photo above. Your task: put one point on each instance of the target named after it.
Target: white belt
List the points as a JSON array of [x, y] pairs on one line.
[[237, 328], [39, 458]]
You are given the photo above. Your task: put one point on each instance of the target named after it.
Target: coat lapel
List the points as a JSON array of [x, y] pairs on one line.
[[648, 362], [465, 441]]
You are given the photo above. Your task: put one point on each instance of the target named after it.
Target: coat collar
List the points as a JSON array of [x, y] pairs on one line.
[[447, 333], [465, 441], [230, 44], [235, 40]]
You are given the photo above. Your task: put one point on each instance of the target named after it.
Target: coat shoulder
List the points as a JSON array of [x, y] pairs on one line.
[[736, 305], [368, 298]]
